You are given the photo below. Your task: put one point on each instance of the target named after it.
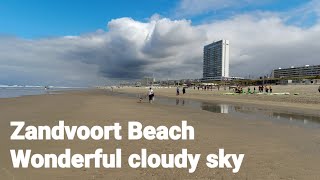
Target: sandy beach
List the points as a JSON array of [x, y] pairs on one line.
[[273, 151], [307, 100]]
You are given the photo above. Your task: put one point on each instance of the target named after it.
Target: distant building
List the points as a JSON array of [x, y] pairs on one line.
[[236, 78], [138, 84], [295, 72], [147, 81], [216, 61]]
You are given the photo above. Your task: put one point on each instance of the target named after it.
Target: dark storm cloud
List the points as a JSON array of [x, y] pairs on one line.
[[161, 47]]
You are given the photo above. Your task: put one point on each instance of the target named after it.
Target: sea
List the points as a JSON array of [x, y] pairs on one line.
[[18, 91]]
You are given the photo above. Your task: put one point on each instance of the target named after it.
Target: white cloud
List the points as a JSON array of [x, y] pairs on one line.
[[167, 48]]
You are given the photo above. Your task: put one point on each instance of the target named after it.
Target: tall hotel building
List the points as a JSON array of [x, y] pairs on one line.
[[216, 61]]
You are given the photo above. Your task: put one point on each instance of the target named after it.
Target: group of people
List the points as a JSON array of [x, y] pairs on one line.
[[267, 89], [151, 94], [205, 88], [178, 91], [238, 89]]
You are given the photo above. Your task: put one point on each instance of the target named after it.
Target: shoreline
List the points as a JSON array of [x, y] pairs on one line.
[[16, 92]]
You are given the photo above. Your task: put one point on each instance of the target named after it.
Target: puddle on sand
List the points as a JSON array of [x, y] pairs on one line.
[[242, 111]]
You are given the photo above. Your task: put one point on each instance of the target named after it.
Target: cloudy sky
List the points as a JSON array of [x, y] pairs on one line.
[[79, 43]]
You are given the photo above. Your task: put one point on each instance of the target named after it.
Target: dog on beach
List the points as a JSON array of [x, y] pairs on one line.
[[141, 98]]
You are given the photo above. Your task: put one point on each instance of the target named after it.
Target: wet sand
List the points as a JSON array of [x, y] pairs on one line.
[[272, 151], [307, 101]]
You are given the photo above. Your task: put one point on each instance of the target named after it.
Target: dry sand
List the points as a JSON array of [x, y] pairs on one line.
[[273, 151]]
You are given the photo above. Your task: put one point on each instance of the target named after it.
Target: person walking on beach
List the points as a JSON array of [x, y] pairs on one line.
[[249, 90], [178, 91], [270, 89], [151, 95], [267, 90], [183, 90]]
